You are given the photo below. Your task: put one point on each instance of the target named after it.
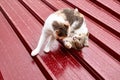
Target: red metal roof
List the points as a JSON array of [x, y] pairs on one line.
[[21, 23]]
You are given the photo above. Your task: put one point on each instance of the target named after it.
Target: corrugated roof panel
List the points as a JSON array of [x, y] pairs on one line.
[[16, 63], [101, 60]]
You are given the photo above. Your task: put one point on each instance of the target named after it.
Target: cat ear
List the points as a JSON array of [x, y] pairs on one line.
[[66, 24], [55, 25], [76, 10]]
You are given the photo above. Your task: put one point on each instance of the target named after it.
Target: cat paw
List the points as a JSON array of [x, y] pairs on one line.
[[34, 52], [46, 50], [68, 45], [86, 45]]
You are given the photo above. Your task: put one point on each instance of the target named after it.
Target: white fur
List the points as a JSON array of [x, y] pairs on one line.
[[83, 29], [48, 32]]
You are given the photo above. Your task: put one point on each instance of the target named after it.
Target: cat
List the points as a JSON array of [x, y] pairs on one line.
[[67, 25]]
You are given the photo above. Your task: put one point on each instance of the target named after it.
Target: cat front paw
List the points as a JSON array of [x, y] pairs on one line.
[[34, 52], [46, 50], [68, 45]]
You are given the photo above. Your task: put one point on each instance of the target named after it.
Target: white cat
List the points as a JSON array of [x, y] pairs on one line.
[[67, 25]]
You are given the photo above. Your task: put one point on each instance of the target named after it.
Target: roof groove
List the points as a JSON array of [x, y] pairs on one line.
[[114, 13], [105, 47], [49, 5], [31, 11]]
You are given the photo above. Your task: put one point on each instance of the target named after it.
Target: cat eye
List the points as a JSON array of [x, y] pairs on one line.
[[66, 40], [66, 26]]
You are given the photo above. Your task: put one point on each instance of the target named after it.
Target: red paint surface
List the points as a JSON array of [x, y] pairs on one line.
[[26, 18], [1, 77], [15, 61], [111, 4]]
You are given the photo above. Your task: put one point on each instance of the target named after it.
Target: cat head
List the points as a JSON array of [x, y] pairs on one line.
[[60, 29], [79, 41], [76, 41]]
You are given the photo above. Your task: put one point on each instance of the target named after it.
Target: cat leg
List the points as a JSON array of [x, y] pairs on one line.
[[68, 45], [67, 42], [42, 39], [48, 45]]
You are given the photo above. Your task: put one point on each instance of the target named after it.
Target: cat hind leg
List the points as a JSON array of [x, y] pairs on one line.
[[42, 39], [48, 45]]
